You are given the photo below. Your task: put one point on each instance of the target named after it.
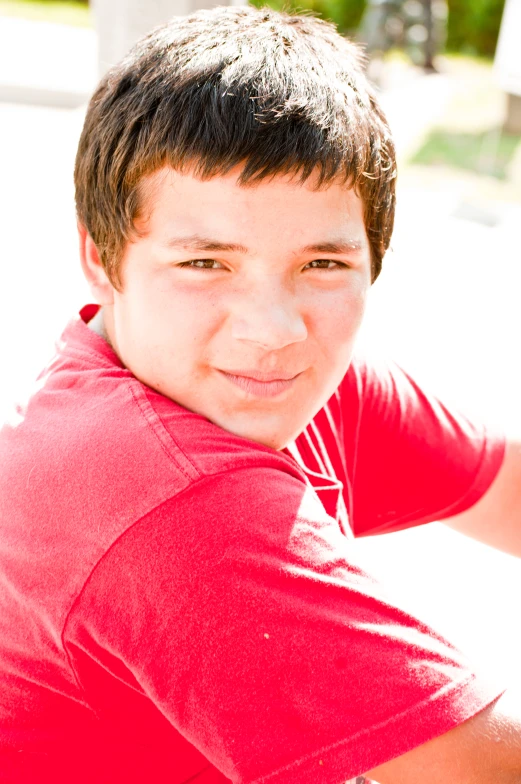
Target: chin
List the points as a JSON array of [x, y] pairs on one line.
[[272, 429], [272, 437], [272, 443]]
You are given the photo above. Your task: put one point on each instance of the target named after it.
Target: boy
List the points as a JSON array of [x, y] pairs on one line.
[[180, 594]]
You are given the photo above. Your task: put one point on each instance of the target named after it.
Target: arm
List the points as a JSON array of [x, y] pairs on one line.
[[496, 518], [240, 614], [483, 750]]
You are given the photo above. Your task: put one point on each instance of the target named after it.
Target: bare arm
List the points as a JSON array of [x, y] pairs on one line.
[[484, 750], [496, 518], [487, 748]]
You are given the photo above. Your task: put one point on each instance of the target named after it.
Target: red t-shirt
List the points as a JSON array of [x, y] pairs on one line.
[[178, 603]]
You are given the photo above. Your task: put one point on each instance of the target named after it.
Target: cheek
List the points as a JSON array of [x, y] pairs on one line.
[[337, 317], [171, 308], [181, 329]]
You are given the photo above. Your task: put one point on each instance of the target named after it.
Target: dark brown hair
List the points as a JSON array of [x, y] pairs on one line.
[[274, 93]]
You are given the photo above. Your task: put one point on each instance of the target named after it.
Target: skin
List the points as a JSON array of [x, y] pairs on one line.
[[187, 313], [274, 310], [484, 750]]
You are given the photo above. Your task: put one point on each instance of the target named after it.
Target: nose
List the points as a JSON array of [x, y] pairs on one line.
[[268, 317]]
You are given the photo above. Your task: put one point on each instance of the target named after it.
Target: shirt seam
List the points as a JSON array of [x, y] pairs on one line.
[[80, 592], [140, 403], [131, 383], [91, 357]]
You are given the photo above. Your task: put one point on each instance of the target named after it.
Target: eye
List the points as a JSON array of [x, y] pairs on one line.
[[325, 264], [204, 264]]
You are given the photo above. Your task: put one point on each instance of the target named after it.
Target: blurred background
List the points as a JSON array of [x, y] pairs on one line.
[[447, 305]]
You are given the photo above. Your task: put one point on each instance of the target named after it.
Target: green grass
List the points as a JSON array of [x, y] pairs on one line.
[[60, 11], [488, 152]]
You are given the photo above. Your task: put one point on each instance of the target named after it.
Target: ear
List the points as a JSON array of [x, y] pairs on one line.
[[100, 286]]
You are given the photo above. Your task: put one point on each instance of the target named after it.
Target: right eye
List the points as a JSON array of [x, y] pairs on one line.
[[204, 264]]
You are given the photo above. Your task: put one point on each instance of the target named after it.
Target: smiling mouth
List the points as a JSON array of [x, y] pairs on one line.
[[260, 386]]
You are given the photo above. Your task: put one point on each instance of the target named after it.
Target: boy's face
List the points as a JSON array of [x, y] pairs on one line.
[[242, 303]]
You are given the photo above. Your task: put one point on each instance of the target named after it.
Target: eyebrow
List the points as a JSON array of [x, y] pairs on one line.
[[199, 243], [196, 242], [339, 247]]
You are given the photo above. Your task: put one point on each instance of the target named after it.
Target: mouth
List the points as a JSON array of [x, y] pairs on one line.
[[261, 385]]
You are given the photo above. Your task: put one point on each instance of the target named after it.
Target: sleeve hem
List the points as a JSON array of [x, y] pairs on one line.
[[359, 753], [491, 459]]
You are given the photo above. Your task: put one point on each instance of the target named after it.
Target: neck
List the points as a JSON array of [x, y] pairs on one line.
[[97, 325]]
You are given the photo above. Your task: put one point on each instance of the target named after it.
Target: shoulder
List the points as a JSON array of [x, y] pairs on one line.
[[96, 451], [411, 458]]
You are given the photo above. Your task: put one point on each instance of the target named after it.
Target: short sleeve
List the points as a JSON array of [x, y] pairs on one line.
[[239, 610], [411, 460]]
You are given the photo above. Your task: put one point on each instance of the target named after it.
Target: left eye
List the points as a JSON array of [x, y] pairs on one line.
[[326, 264]]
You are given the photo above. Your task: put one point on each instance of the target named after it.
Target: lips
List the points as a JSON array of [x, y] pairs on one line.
[[261, 384], [257, 375]]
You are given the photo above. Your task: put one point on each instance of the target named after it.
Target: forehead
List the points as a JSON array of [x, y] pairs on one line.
[[171, 199]]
